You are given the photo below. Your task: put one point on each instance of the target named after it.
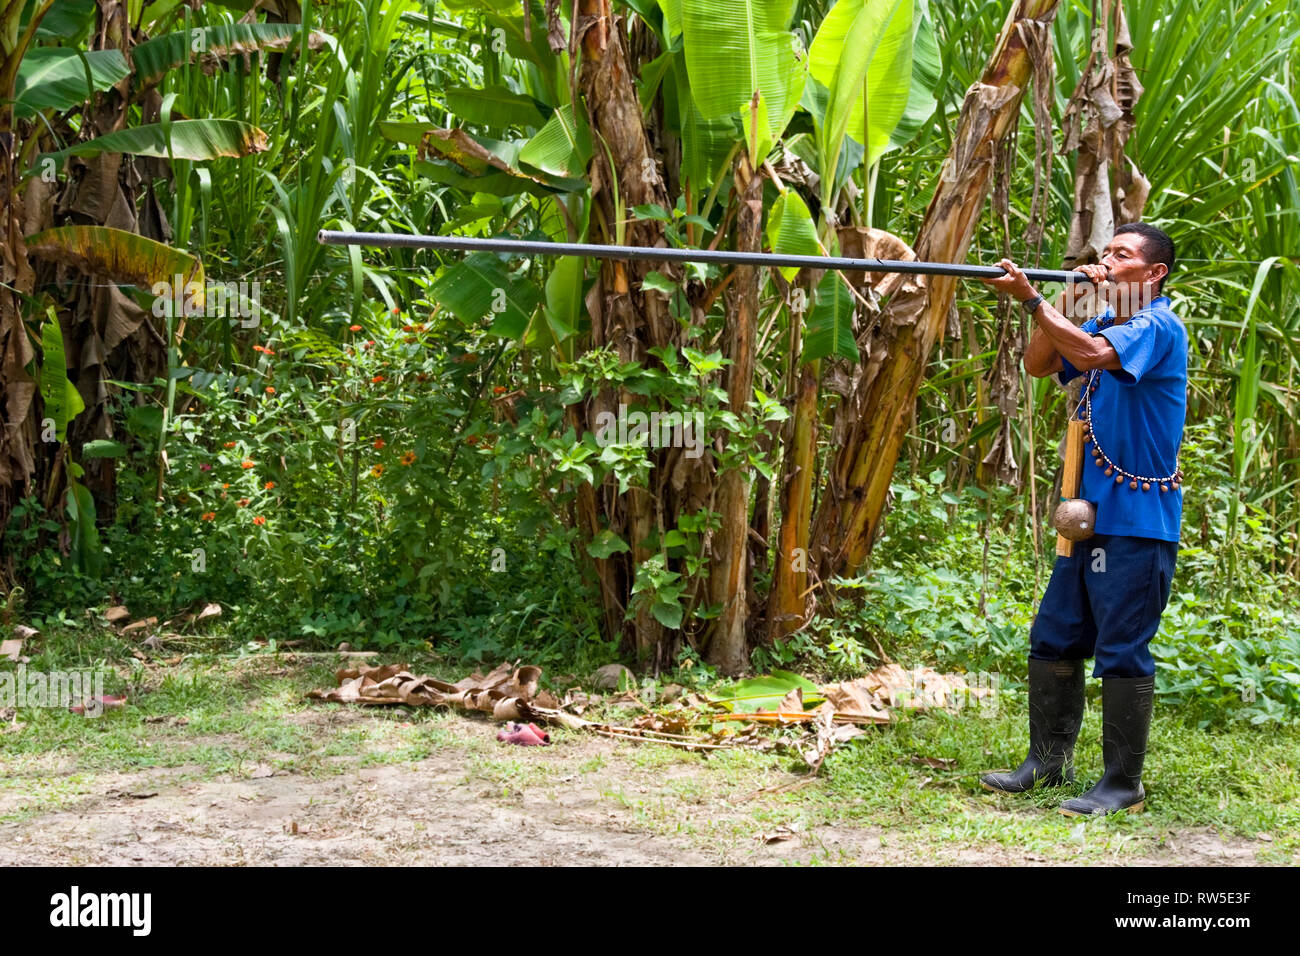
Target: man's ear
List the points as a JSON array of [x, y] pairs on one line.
[[1163, 270]]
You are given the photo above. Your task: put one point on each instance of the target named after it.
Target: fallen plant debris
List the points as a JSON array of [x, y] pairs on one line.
[[510, 693]]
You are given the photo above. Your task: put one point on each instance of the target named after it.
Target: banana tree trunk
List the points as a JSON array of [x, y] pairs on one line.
[[785, 609], [848, 519], [624, 174], [727, 645], [19, 431]]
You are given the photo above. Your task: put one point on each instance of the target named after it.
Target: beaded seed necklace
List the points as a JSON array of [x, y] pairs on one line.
[[1100, 457]]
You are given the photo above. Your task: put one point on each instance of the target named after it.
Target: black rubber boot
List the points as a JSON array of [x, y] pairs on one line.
[[1055, 713], [1125, 725]]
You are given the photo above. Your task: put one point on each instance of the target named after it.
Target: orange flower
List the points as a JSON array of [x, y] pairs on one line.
[[369, 344], [408, 458], [225, 484], [229, 444], [259, 520], [354, 328], [499, 390], [270, 389], [247, 463], [409, 339], [408, 328], [243, 502], [421, 377], [270, 485], [377, 470], [263, 349], [471, 440], [209, 515], [377, 379], [396, 310], [379, 444]]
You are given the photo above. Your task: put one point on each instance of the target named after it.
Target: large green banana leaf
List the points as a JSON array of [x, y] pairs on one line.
[[153, 58], [927, 68], [706, 143], [199, 140], [791, 230], [56, 78], [494, 106], [62, 400], [66, 22], [862, 54], [736, 48], [479, 287], [830, 325], [562, 147]]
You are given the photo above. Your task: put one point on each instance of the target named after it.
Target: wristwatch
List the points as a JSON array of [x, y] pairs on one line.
[[1031, 305]]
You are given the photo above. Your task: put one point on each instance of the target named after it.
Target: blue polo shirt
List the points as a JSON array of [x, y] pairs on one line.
[[1138, 414]]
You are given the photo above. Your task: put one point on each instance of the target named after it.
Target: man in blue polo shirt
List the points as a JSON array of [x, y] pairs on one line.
[[1107, 598]]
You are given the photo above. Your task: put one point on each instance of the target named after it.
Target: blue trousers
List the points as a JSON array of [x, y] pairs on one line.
[[1105, 600]]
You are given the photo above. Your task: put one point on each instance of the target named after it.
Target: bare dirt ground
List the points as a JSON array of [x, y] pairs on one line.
[[473, 801]]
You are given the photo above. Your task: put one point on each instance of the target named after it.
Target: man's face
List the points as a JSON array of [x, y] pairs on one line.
[[1129, 269]]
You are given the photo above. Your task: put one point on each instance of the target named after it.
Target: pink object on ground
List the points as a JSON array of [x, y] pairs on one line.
[[523, 735], [101, 704]]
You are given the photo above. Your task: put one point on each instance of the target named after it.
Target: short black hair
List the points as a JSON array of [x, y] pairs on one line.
[[1156, 246]]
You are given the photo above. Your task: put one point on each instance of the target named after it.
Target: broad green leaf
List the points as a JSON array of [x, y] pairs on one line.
[[153, 58], [564, 296], [829, 330], [533, 49], [736, 48], [84, 545], [927, 68], [562, 147], [862, 54], [62, 400], [605, 544], [56, 78], [652, 78], [672, 17], [706, 143], [766, 692], [659, 283], [67, 22], [791, 230], [479, 287], [557, 321], [119, 255], [652, 210], [495, 106], [103, 448], [667, 613], [197, 140]]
